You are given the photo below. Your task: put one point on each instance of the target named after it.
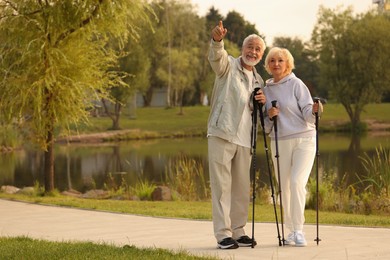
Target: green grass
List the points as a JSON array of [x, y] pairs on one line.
[[379, 112], [195, 210], [27, 248], [157, 120], [151, 122], [337, 113], [335, 118]]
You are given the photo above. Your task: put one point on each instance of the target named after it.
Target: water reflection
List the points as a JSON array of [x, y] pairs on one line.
[[83, 167]]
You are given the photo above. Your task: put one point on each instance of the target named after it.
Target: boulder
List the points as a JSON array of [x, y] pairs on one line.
[[161, 193], [9, 189]]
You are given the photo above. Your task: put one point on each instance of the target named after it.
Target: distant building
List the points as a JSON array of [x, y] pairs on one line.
[[159, 98]]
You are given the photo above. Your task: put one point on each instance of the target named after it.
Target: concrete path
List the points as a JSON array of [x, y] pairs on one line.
[[196, 237]]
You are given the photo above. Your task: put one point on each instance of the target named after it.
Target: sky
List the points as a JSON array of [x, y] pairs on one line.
[[273, 18]]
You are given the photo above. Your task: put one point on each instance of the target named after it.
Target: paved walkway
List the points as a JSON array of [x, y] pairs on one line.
[[196, 237]]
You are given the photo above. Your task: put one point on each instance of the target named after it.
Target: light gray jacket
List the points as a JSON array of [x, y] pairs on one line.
[[228, 100], [295, 103]]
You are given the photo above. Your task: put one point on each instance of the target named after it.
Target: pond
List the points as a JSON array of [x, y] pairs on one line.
[[85, 166]]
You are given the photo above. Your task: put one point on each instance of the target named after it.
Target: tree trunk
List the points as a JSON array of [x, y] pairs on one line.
[[148, 97], [169, 62], [355, 120], [49, 163], [116, 117], [354, 116], [181, 102]]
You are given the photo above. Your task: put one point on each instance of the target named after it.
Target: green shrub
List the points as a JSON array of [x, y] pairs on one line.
[[333, 194]]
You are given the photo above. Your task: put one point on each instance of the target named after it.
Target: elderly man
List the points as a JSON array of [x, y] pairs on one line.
[[229, 135]]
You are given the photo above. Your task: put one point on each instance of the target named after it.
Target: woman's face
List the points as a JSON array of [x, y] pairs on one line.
[[278, 66]]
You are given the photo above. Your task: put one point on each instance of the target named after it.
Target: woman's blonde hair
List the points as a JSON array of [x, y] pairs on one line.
[[282, 53]]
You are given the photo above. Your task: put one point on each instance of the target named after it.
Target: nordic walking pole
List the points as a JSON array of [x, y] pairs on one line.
[[253, 140], [278, 169], [269, 172], [317, 100]]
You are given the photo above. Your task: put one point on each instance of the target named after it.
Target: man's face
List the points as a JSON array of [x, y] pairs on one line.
[[252, 52]]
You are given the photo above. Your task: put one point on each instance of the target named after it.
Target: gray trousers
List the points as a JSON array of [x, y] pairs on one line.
[[229, 166]]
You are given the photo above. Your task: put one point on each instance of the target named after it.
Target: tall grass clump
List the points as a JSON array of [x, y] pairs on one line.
[[376, 182], [369, 195], [378, 171], [144, 189], [187, 178], [121, 190]]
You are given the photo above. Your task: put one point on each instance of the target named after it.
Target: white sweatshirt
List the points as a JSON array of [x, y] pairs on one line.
[[295, 104]]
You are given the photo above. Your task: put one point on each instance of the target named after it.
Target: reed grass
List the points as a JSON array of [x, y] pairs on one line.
[[186, 177], [377, 178]]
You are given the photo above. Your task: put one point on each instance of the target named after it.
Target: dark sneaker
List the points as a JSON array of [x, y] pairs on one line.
[[245, 241], [227, 243]]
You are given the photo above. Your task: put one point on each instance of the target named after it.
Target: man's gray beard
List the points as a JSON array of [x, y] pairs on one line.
[[250, 63]]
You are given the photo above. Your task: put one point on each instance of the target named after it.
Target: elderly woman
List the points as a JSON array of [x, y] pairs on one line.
[[295, 115]]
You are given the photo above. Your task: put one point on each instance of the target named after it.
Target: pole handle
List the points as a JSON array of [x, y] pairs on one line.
[[254, 101], [274, 104]]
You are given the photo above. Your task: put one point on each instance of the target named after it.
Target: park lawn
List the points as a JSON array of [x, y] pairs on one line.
[[193, 122], [200, 210], [28, 248]]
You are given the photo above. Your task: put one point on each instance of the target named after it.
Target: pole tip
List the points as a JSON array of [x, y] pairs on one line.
[[317, 240]]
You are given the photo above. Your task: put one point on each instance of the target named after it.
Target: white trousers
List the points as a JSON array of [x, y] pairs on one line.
[[229, 166], [296, 158]]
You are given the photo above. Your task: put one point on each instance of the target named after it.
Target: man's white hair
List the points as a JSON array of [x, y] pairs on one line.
[[252, 37]]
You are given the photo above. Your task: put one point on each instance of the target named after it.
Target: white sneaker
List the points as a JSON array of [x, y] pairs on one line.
[[300, 239], [290, 239]]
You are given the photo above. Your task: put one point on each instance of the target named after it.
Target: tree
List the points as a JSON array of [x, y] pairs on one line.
[[55, 61], [182, 63], [353, 54], [179, 32], [238, 28], [212, 18], [135, 64]]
